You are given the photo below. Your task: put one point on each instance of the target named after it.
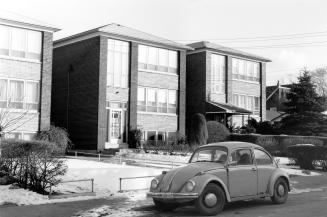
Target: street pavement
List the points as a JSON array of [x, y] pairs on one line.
[[308, 204]]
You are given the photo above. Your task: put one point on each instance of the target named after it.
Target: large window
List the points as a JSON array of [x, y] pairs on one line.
[[218, 73], [19, 94], [117, 63], [251, 103], [20, 43], [157, 59], [245, 70], [157, 100], [154, 137]]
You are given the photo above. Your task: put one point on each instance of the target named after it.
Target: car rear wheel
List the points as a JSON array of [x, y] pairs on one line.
[[280, 191], [165, 206], [212, 200]]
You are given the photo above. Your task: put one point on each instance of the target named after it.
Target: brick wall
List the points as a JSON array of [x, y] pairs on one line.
[[263, 91], [182, 93], [195, 85], [75, 92], [46, 81], [20, 69], [157, 122], [132, 115]]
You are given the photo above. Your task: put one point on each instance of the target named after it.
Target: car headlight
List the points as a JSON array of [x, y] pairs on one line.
[[190, 185], [154, 183]]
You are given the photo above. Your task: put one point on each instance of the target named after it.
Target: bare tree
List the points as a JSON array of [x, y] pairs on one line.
[[319, 78]]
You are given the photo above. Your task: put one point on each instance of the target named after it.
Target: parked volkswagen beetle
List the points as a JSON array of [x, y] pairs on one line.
[[219, 173]]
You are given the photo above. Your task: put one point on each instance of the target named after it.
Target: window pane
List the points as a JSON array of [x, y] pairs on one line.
[[142, 56], [256, 104], [28, 136], [16, 94], [151, 100], [262, 158], [3, 93], [110, 68], [141, 99], [235, 99], [172, 101], [4, 40], [151, 137], [163, 60], [111, 45], [117, 69], [242, 157], [162, 101], [173, 62], [153, 58], [34, 45], [125, 64], [161, 138], [18, 42], [32, 95]]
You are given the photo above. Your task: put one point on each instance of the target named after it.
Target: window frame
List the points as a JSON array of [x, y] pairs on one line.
[[250, 72], [270, 157]]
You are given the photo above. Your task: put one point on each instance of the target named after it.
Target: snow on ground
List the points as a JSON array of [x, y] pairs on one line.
[[298, 172], [284, 160], [106, 181]]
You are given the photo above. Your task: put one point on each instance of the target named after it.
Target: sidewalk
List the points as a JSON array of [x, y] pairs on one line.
[[66, 209]]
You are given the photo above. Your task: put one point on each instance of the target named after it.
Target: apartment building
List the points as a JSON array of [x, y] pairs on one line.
[[25, 75], [225, 84], [113, 79]]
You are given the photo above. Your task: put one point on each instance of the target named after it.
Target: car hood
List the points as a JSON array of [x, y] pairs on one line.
[[174, 180]]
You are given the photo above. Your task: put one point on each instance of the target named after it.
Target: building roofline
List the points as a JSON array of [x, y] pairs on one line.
[[99, 31], [205, 45]]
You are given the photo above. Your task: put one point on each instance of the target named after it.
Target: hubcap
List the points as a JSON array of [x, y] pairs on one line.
[[281, 190], [210, 200]]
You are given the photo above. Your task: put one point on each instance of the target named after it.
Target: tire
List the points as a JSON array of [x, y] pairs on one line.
[[165, 206], [280, 191], [203, 203]]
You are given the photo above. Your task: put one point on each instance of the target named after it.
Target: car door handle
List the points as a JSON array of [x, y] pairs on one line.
[[254, 169]]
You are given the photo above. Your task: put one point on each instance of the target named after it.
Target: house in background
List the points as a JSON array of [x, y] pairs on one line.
[[224, 84], [276, 97], [25, 74], [113, 79]]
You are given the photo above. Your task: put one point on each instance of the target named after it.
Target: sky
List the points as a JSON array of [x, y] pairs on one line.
[[292, 33]]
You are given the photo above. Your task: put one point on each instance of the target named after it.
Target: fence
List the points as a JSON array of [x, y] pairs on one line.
[[136, 177], [51, 196]]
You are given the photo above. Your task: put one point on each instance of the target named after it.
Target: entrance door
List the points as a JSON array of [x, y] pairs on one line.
[[115, 126]]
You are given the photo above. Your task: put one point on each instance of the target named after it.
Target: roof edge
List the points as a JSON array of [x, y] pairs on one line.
[[26, 24]]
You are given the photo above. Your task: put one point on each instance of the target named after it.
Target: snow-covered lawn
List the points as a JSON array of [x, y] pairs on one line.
[[106, 182]]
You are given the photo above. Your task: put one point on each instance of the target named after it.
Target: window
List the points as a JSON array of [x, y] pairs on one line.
[[4, 40], [28, 136], [161, 138], [262, 158], [18, 42], [256, 104], [218, 74], [151, 100], [16, 94], [32, 95], [248, 102], [34, 45], [162, 100], [210, 154], [245, 70], [3, 93], [171, 137], [242, 157], [172, 101], [151, 137], [157, 100], [117, 63], [157, 59], [19, 94], [141, 103]]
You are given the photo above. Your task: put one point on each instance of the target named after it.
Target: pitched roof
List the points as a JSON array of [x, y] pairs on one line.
[[17, 19], [127, 33], [226, 50], [216, 107]]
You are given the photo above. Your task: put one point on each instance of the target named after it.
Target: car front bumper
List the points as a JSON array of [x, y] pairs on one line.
[[168, 195]]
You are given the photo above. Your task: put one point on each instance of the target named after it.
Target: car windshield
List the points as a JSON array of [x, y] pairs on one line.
[[210, 154]]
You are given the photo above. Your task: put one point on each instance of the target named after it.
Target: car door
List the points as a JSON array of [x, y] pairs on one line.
[[265, 168], [242, 173]]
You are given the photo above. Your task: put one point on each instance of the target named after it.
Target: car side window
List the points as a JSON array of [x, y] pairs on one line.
[[242, 157], [262, 158]]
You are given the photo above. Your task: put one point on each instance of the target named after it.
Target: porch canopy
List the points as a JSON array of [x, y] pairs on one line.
[[225, 108]]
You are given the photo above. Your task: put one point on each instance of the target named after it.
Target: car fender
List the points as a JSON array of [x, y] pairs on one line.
[[277, 174], [202, 181]]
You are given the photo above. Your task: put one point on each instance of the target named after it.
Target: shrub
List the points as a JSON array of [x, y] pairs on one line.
[[135, 137], [306, 154], [217, 132], [267, 128], [269, 143], [199, 131], [33, 164], [56, 135]]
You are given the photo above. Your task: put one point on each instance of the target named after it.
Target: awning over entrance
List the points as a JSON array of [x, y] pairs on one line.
[[215, 107]]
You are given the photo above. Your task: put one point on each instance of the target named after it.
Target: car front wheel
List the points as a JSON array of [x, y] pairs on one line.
[[165, 206], [211, 201], [280, 191]]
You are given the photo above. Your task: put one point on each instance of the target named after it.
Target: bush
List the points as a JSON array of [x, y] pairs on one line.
[[199, 131], [217, 132], [305, 155], [270, 144], [33, 164], [56, 135], [267, 128], [300, 140]]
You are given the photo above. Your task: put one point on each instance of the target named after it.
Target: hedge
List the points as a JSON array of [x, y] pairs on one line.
[[278, 144]]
